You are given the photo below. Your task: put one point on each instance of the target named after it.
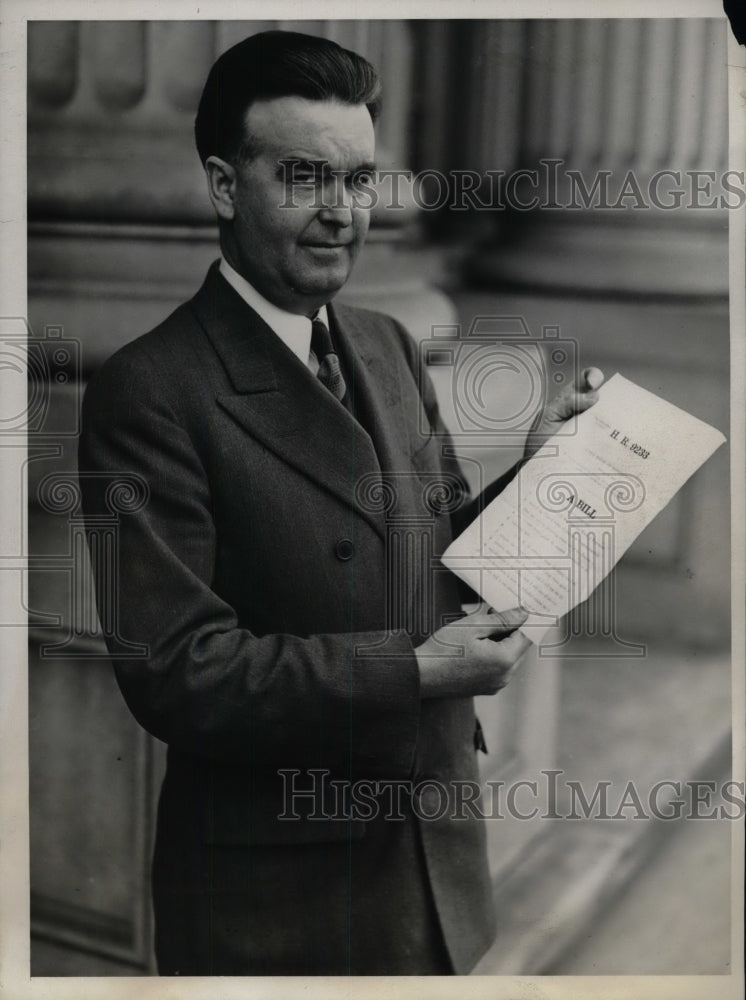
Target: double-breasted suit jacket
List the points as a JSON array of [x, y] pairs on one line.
[[280, 573]]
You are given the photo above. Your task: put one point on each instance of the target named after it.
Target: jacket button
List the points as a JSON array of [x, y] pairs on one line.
[[344, 549]]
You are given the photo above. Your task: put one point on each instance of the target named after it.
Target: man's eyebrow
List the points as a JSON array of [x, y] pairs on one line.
[[302, 161], [307, 162]]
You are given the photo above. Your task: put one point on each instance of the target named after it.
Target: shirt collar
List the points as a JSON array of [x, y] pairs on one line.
[[292, 329]]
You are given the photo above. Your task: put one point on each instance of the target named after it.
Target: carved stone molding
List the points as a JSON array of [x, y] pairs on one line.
[[112, 104]]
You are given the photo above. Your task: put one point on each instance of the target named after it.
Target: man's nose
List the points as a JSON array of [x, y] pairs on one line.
[[338, 205], [336, 215]]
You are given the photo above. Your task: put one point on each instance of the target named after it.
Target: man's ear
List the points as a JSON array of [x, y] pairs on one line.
[[221, 185]]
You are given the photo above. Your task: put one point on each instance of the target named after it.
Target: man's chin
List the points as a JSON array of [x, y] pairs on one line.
[[326, 284]]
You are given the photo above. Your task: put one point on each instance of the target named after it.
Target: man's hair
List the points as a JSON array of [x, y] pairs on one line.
[[276, 64]]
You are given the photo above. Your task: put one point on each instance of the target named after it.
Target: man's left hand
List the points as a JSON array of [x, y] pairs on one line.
[[574, 399]]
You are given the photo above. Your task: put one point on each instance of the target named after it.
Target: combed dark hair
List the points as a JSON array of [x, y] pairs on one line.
[[277, 64]]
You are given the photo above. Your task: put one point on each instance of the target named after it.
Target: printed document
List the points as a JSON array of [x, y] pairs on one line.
[[562, 524]]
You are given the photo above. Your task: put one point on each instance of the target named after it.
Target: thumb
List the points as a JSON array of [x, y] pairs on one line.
[[505, 622], [584, 393], [590, 380], [515, 645]]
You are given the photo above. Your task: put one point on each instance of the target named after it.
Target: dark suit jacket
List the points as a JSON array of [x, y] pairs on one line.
[[265, 574]]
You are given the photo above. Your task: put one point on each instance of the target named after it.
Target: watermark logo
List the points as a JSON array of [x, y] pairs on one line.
[[409, 504], [496, 375], [98, 535], [314, 795], [32, 367], [551, 185]]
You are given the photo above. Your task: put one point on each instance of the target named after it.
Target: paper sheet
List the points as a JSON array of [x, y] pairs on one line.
[[559, 528]]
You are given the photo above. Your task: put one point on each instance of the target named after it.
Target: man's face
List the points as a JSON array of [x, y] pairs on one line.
[[299, 206]]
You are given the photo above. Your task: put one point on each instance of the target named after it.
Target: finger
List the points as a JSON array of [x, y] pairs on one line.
[[480, 626], [502, 623], [485, 613], [510, 619], [486, 625], [583, 395], [582, 401], [514, 646], [593, 379]]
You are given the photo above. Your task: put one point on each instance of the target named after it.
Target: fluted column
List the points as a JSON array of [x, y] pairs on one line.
[[111, 106], [626, 92], [111, 111], [623, 101]]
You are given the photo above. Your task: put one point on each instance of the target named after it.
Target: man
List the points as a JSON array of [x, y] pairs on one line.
[[275, 435]]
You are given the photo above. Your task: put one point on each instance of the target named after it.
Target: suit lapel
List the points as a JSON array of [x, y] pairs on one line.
[[379, 403], [278, 401], [374, 384], [386, 401]]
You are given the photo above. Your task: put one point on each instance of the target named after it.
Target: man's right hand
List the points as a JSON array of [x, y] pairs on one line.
[[487, 648]]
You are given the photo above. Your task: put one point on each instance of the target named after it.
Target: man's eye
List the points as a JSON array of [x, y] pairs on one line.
[[306, 175], [303, 173], [362, 178]]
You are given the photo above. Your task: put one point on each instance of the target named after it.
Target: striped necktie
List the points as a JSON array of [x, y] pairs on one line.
[[329, 374]]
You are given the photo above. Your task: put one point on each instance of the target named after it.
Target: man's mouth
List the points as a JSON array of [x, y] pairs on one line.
[[326, 246]]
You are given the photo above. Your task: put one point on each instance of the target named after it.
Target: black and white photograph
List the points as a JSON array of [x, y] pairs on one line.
[[372, 446]]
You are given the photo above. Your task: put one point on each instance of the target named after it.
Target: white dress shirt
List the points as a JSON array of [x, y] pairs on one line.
[[293, 330]]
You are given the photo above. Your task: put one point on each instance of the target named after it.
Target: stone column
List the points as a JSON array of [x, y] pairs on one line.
[[614, 102], [111, 109]]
